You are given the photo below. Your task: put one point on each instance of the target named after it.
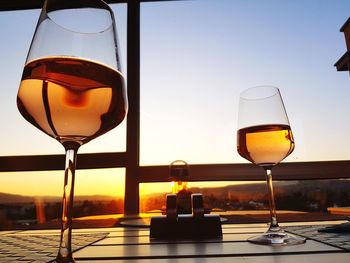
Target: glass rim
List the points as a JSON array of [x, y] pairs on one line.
[[105, 7], [270, 91]]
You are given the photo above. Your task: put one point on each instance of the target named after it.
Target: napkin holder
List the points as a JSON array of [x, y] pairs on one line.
[[185, 226]]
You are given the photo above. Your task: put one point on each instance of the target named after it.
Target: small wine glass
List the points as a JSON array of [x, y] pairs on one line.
[[264, 137], [72, 88]]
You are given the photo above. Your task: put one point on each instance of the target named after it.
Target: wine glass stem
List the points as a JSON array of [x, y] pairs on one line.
[[274, 224], [65, 248]]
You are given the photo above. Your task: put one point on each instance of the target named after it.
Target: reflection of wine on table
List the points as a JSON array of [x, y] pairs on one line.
[[71, 99], [265, 145]]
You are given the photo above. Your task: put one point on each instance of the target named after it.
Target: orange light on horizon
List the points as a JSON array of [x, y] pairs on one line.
[[106, 182]]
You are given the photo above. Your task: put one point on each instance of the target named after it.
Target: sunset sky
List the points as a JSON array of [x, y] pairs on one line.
[[196, 57]]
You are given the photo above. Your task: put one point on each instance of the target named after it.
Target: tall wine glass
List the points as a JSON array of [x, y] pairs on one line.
[[264, 137], [72, 88]]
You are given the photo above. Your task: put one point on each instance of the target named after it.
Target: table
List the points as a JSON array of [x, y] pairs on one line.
[[132, 244]]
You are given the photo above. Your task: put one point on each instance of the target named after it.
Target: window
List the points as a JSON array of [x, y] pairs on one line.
[[195, 59], [42, 188], [17, 29]]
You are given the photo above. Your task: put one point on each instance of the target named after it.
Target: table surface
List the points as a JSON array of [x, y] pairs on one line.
[[132, 244]]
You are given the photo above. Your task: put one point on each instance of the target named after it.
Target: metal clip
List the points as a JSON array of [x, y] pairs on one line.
[[197, 206], [171, 206]]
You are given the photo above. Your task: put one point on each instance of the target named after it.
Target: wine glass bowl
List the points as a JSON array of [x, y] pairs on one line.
[[265, 138], [71, 99], [72, 88], [265, 145]]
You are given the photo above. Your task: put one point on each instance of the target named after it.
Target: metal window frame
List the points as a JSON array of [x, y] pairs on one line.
[[136, 174]]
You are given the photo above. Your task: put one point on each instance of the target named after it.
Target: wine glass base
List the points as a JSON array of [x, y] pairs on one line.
[[60, 259], [56, 261], [277, 238]]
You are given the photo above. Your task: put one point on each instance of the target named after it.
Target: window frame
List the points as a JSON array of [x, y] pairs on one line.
[[130, 159]]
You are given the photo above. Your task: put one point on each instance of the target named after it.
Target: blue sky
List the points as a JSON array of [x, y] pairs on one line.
[[204, 53]]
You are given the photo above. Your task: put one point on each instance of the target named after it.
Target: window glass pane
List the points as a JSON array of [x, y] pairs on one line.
[[31, 198], [18, 137], [197, 56], [247, 202]]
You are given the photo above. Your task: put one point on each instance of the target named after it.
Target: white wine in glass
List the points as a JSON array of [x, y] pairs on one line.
[[264, 137], [72, 88]]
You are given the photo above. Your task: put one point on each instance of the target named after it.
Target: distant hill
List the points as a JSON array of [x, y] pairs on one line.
[[241, 188], [12, 198], [245, 191], [253, 187], [238, 189]]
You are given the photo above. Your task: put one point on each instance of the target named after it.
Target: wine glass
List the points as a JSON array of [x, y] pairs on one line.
[[72, 88], [264, 137]]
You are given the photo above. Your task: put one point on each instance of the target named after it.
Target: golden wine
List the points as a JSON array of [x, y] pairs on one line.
[[71, 99], [265, 145]]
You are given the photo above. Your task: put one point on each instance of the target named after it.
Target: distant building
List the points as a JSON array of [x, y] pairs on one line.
[[343, 64]]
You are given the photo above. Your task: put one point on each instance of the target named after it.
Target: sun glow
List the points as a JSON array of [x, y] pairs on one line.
[[108, 182]]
